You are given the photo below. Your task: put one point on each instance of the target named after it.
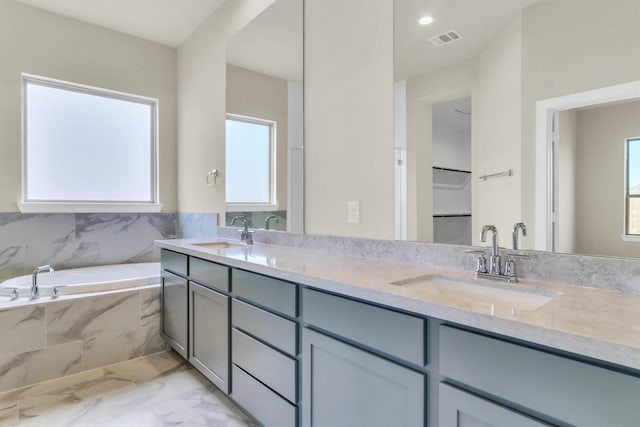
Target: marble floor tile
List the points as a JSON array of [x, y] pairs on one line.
[[158, 390]]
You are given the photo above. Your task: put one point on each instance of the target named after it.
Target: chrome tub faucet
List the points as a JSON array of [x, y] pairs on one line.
[[35, 291]]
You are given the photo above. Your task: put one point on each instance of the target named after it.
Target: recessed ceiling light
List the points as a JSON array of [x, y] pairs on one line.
[[425, 20]]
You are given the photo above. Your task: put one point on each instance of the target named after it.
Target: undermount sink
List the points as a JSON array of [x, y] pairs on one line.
[[217, 245], [479, 294]]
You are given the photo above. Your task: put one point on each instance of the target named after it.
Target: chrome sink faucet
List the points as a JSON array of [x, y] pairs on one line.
[[496, 270], [269, 218], [35, 291], [495, 267], [245, 235], [517, 227]]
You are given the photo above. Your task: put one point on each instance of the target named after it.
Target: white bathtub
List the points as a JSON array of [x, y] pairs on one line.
[[84, 280]]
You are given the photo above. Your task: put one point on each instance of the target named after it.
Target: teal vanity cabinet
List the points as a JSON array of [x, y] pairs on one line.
[[265, 348], [362, 364], [174, 301], [209, 320], [491, 382]]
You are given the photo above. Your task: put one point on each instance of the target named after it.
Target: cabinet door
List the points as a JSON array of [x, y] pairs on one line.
[[174, 312], [460, 409], [346, 386], [209, 334]]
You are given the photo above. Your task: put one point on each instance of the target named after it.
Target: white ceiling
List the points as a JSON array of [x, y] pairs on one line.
[[168, 22], [271, 43], [478, 21]]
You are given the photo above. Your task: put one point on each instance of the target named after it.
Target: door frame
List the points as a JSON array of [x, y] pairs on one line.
[[545, 165]]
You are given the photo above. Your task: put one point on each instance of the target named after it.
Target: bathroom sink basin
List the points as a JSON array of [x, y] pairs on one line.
[[217, 245], [478, 294]]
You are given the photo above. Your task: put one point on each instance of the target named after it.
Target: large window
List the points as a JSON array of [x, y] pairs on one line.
[[633, 187], [250, 162], [85, 145]]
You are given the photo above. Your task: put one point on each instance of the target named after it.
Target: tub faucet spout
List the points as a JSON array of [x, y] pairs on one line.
[[35, 292]]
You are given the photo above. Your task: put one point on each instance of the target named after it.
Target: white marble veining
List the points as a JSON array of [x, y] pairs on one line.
[[49, 338], [76, 240], [157, 390], [150, 307], [192, 224], [21, 329], [17, 370], [77, 319], [108, 349], [598, 323]]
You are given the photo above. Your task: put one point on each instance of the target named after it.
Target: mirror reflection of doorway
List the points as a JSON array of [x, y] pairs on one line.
[[451, 158]]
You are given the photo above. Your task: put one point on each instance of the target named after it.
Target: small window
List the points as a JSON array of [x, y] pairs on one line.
[[250, 161], [633, 187], [87, 145]]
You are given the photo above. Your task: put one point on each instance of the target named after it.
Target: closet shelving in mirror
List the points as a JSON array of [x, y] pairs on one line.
[[447, 178]]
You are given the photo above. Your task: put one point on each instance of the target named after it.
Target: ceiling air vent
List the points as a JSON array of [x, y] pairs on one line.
[[445, 38]]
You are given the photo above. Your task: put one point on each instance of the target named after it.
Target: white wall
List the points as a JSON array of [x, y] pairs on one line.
[[566, 176], [601, 134], [422, 92], [599, 48], [295, 177], [38, 42], [348, 55], [202, 105], [265, 97]]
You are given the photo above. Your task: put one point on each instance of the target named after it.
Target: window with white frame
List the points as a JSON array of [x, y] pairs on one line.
[[87, 145], [632, 190], [250, 161]]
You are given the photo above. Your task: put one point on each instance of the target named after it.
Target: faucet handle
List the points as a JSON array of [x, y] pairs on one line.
[[481, 262]]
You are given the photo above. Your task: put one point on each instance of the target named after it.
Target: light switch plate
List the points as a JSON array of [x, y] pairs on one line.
[[354, 212]]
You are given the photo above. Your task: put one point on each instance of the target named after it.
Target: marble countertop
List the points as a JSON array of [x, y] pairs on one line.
[[596, 323]]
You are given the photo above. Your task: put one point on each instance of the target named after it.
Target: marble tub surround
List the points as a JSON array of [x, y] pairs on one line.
[[596, 323], [46, 338], [156, 390], [619, 274], [79, 239], [195, 224]]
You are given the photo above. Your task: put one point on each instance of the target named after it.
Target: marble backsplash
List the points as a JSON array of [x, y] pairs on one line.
[[620, 274], [69, 240]]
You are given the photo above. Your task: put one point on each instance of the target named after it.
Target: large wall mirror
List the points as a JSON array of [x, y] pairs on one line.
[[264, 131], [512, 111]]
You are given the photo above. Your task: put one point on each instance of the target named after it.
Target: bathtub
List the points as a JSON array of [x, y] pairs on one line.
[[102, 315], [83, 280]]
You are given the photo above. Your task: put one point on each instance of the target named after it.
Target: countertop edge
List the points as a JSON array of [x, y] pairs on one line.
[[617, 354]]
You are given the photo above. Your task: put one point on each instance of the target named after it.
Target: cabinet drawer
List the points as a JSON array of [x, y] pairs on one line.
[[394, 333], [266, 364], [573, 392], [174, 262], [272, 293], [459, 409], [209, 273], [267, 407], [275, 330]]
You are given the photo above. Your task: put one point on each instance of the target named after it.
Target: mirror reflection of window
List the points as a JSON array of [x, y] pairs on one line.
[[633, 187], [249, 160]]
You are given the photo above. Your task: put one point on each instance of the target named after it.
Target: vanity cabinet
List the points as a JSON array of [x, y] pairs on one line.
[[209, 334], [265, 348], [349, 377], [550, 387]]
